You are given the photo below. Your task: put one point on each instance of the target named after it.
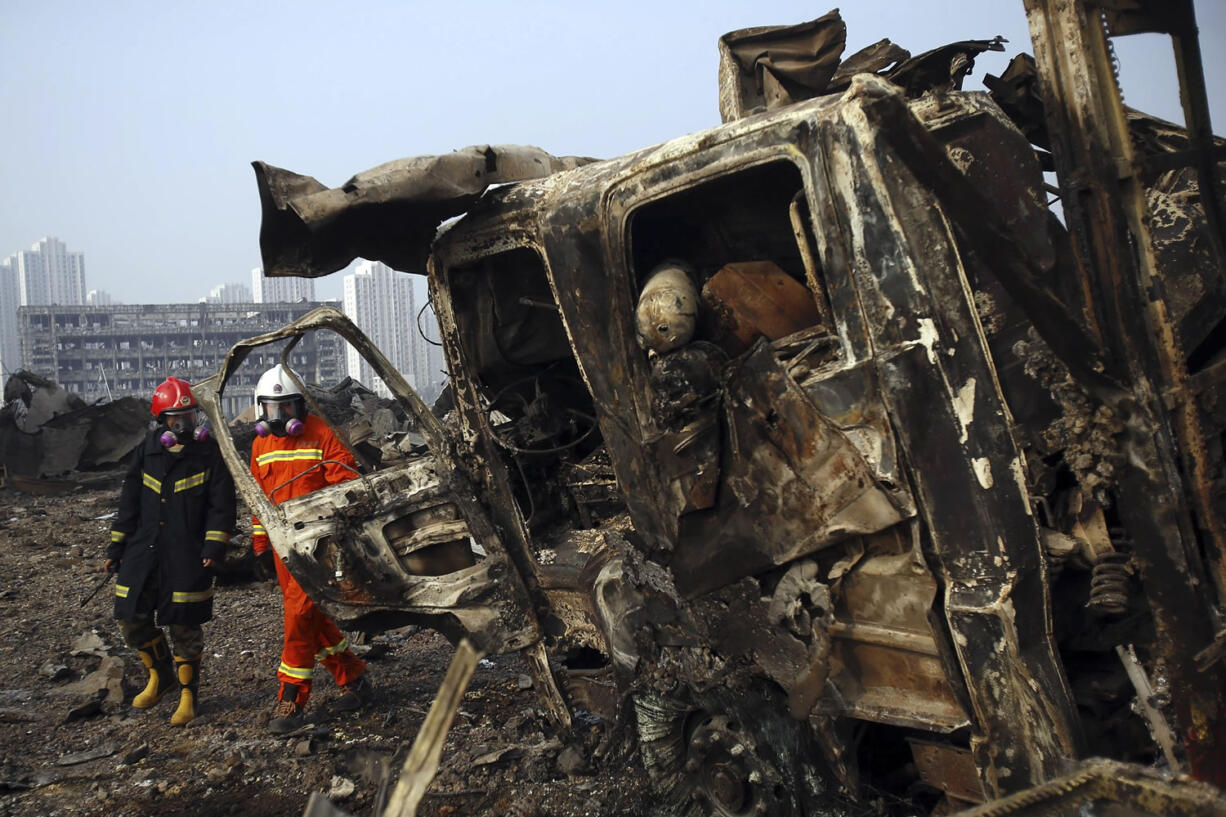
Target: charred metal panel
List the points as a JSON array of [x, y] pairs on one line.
[[949, 769], [769, 67], [1043, 401], [995, 591], [791, 484], [389, 213], [986, 148], [758, 299], [886, 662], [850, 399], [1193, 284], [941, 390]]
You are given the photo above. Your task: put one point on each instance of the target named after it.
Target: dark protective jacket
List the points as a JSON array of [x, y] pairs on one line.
[[175, 510]]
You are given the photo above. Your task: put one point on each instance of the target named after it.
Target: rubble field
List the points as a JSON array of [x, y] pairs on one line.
[[71, 745]]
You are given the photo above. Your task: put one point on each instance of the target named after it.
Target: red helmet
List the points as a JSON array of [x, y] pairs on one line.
[[173, 394]]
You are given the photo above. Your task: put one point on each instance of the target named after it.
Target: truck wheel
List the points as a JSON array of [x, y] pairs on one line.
[[727, 753]]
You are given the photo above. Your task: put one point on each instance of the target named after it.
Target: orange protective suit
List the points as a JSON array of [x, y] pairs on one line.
[[310, 635]]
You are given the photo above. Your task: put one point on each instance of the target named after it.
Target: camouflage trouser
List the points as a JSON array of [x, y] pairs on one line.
[[188, 639]]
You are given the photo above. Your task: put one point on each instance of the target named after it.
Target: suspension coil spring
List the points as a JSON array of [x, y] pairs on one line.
[[1056, 560], [1109, 585]]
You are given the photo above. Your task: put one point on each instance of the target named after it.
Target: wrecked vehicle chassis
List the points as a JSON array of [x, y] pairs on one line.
[[805, 560], [811, 557]]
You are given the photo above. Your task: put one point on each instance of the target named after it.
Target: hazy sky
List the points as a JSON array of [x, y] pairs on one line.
[[131, 126]]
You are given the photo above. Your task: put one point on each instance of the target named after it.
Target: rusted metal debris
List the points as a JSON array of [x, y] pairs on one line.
[[422, 762], [1144, 792], [406, 194], [812, 449]]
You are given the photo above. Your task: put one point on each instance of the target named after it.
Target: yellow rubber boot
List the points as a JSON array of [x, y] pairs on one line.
[[156, 657], [189, 681]]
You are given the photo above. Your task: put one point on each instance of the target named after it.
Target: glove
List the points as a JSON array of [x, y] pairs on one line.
[[262, 566]]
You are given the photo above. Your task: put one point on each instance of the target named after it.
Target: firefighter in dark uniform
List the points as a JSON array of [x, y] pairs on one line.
[[176, 512]]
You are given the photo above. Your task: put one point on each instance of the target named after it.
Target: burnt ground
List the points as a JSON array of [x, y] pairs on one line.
[[56, 758]]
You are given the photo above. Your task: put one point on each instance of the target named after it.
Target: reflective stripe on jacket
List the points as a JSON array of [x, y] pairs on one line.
[[287, 467], [175, 510]]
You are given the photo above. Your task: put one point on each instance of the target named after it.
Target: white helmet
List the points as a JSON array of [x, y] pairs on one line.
[[277, 387], [276, 384]]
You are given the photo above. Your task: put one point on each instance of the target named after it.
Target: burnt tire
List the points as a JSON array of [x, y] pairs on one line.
[[730, 753]]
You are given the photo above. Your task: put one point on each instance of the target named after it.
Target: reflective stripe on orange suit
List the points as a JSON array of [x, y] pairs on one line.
[[309, 634]]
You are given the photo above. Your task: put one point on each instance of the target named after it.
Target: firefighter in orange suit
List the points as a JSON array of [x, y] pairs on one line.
[[293, 443]]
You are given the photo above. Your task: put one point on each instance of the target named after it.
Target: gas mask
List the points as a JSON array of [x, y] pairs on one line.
[[281, 418], [183, 427]]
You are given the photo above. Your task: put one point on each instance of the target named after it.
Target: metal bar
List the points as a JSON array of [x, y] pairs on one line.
[[422, 763], [877, 635], [1108, 781], [810, 261], [1186, 42], [546, 689], [1145, 693]]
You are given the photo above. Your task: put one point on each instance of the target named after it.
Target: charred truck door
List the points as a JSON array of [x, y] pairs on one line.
[[393, 546]]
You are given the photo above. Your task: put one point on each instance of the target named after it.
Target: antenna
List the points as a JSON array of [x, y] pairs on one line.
[[102, 377]]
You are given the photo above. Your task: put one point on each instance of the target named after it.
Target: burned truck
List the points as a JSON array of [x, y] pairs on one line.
[[813, 452]]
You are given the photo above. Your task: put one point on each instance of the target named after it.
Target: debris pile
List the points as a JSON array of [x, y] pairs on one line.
[[377, 428], [46, 431], [75, 747]]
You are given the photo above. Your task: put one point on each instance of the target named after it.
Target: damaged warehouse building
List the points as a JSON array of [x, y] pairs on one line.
[[812, 452], [98, 352], [100, 364]]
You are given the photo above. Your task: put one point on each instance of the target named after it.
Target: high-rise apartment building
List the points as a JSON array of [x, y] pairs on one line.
[[98, 297], [45, 274], [429, 365], [48, 274], [380, 301], [281, 290], [10, 300], [229, 294]]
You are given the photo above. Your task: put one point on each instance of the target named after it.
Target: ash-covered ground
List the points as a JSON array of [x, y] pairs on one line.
[[67, 750]]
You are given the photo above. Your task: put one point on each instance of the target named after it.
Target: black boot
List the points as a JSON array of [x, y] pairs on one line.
[[287, 717], [355, 696], [155, 655]]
